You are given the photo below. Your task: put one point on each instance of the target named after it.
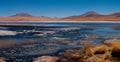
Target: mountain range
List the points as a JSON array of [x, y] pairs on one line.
[[89, 16]]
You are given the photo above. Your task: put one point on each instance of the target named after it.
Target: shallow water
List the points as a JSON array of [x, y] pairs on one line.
[[49, 38]]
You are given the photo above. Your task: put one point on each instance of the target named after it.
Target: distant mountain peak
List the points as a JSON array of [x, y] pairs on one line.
[[117, 13], [90, 13], [87, 14], [22, 14]]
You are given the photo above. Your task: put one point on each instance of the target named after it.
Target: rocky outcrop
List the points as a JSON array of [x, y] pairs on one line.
[[108, 52], [45, 59], [113, 43], [2, 59]]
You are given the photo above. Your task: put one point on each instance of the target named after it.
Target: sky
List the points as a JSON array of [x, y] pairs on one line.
[[57, 8]]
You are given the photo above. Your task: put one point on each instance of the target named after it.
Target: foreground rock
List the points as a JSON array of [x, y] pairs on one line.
[[45, 59], [108, 52], [2, 59], [95, 58], [114, 43]]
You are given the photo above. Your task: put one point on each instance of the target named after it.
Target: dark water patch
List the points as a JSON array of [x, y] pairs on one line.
[[53, 38]]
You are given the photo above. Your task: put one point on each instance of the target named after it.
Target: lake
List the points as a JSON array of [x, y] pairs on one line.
[[22, 41]]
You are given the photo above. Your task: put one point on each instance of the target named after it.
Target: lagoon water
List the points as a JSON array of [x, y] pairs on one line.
[[33, 39]]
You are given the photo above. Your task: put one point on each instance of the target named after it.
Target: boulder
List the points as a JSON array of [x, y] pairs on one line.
[[2, 59], [45, 59], [113, 43]]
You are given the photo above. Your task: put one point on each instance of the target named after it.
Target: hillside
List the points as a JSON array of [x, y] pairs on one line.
[[93, 16], [89, 16], [26, 17]]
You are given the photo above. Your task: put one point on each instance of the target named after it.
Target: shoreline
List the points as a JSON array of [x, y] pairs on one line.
[[68, 21]]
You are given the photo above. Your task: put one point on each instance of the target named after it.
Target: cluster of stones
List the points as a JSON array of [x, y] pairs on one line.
[[89, 53]]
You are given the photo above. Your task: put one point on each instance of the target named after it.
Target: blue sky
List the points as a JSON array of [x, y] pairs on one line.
[[58, 8]]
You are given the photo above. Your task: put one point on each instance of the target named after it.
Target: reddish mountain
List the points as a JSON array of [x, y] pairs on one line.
[[27, 17], [116, 14], [89, 16], [93, 16]]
